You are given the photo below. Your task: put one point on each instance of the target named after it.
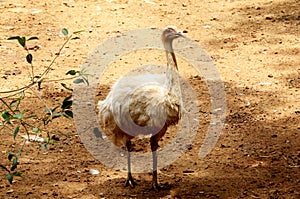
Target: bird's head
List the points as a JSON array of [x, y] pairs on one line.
[[168, 35], [171, 33]]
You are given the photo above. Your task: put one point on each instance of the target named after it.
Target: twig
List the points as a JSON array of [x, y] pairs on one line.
[[46, 71], [52, 62], [3, 167]]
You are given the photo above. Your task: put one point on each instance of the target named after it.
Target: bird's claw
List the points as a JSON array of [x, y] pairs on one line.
[[157, 187], [130, 182]]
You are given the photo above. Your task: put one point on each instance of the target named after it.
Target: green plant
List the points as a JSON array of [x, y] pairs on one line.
[[16, 117]]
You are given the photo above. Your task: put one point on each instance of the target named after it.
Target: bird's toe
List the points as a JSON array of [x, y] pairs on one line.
[[130, 182], [157, 187]]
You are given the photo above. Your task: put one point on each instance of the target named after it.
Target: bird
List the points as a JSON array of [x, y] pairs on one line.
[[148, 109]]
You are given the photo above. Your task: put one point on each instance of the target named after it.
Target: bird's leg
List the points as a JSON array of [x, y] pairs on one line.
[[129, 181], [154, 147]]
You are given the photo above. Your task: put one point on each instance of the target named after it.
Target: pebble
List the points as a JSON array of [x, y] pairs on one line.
[[94, 172], [12, 72]]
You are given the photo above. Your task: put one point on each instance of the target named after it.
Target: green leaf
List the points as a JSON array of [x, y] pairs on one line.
[[10, 155], [14, 164], [29, 58], [65, 86], [15, 161], [13, 38], [71, 72], [16, 131], [69, 113], [18, 173], [33, 38], [15, 103], [22, 41], [68, 98], [10, 177], [67, 103], [6, 116], [45, 146], [35, 129], [13, 167], [51, 141], [78, 81], [18, 116], [65, 31]]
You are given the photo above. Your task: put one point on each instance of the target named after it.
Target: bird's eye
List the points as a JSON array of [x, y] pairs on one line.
[[170, 30]]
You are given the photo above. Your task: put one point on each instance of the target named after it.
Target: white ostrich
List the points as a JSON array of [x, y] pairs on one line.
[[150, 109]]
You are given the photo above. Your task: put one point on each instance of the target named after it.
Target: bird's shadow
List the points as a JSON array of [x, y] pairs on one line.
[[180, 187]]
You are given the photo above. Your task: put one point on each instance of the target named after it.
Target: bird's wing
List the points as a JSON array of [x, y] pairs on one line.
[[139, 100]]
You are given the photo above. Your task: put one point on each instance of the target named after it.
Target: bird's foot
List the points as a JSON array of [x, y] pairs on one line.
[[130, 182], [157, 187]]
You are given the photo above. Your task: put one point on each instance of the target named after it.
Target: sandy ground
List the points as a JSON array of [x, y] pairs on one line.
[[254, 44]]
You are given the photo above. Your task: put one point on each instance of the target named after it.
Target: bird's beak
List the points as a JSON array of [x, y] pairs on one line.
[[179, 34]]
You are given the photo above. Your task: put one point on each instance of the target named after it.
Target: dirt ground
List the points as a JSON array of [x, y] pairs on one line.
[[256, 47]]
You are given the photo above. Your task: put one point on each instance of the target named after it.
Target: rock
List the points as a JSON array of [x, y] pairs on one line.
[[10, 191], [12, 72], [269, 18], [274, 136], [94, 172], [188, 171]]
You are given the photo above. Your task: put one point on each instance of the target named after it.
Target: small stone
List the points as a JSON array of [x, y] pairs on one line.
[[189, 147], [13, 72], [54, 194], [196, 77], [54, 137], [274, 136], [269, 18], [94, 172], [188, 171]]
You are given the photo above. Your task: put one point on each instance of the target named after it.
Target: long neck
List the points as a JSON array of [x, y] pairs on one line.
[[172, 77], [171, 59], [172, 82]]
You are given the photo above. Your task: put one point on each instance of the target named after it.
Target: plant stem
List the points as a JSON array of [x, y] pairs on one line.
[[57, 55], [46, 71]]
